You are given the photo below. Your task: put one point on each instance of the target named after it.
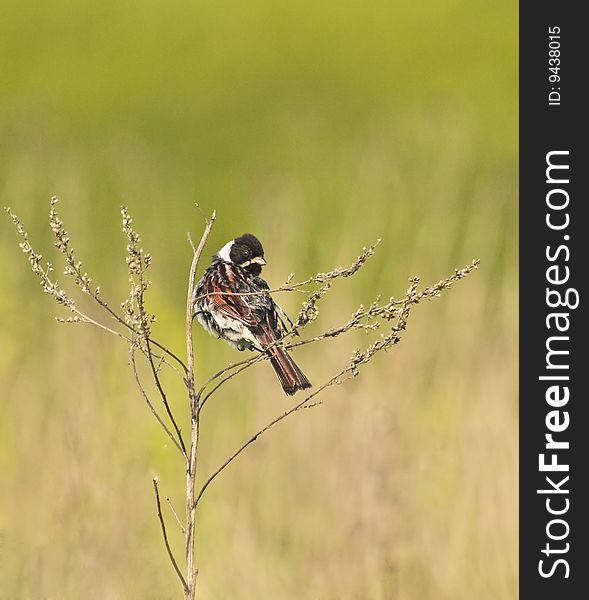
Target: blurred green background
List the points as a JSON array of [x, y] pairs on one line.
[[318, 126]]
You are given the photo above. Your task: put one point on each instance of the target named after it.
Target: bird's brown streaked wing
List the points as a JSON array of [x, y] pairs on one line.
[[230, 303]]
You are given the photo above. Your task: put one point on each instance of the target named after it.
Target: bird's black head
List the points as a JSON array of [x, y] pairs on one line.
[[245, 251]]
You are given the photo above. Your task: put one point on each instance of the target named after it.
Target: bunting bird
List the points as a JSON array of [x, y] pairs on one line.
[[233, 303]]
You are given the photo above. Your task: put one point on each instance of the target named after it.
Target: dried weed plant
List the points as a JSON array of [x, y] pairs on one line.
[[132, 323]]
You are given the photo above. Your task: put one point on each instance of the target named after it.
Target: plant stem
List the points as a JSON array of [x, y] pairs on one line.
[[191, 571]]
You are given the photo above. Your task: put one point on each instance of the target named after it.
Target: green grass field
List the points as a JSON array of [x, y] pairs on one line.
[[319, 127]]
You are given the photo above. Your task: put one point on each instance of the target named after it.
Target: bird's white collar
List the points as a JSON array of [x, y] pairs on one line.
[[223, 254]]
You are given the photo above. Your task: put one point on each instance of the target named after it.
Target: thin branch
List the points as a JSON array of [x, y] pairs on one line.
[[169, 353], [218, 374], [251, 440], [191, 243], [148, 401], [242, 367], [164, 398], [164, 533], [85, 319], [183, 529]]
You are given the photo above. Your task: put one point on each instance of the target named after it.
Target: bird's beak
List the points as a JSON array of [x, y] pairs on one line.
[[259, 261]]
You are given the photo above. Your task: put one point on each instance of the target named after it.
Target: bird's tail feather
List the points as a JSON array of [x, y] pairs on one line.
[[291, 377]]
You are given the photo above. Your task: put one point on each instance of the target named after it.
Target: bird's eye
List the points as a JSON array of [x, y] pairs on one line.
[[246, 251]]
